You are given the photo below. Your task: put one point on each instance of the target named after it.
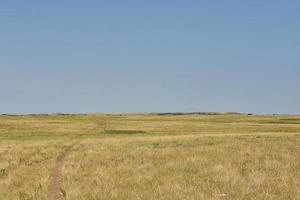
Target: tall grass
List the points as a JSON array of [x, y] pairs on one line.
[[152, 156]]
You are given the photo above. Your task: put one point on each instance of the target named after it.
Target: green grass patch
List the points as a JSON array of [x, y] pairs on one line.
[[284, 121], [123, 132], [3, 172]]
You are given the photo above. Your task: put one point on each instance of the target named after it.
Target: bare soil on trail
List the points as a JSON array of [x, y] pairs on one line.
[[54, 188]]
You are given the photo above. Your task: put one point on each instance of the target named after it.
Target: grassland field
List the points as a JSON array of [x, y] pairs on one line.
[[150, 156]]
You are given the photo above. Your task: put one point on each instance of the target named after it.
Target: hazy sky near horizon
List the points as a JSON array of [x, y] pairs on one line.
[[149, 56]]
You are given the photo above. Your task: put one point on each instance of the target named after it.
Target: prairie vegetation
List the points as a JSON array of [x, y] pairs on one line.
[[150, 156]]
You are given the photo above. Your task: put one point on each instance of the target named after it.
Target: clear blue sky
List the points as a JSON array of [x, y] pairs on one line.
[[149, 56]]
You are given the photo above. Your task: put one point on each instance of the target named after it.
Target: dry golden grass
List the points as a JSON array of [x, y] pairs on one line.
[[152, 156]]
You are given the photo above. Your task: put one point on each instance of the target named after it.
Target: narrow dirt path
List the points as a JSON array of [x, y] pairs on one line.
[[54, 188]]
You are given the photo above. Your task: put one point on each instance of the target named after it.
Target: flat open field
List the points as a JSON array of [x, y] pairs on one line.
[[150, 157]]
